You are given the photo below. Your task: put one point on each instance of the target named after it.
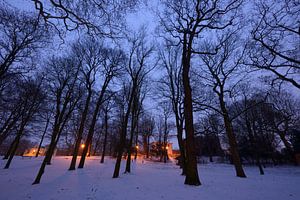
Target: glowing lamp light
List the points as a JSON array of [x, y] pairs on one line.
[[137, 147], [167, 147], [82, 146]]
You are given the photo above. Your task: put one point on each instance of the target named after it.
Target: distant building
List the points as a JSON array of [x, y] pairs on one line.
[[32, 151], [157, 147]]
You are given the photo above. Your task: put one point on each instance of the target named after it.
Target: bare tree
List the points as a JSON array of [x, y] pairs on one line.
[[166, 113], [170, 87], [63, 85], [101, 17], [137, 106], [21, 36], [218, 70], [137, 69], [111, 66], [106, 109], [275, 40], [187, 21], [48, 118], [284, 117], [32, 98], [90, 52]]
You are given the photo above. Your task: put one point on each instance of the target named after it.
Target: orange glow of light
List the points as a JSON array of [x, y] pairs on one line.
[[82, 146], [137, 147], [167, 147]]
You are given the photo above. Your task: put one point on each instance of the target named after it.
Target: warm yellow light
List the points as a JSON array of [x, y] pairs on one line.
[[137, 147], [167, 147], [34, 151], [83, 145]]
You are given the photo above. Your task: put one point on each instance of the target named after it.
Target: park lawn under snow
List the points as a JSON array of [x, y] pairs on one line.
[[148, 181]]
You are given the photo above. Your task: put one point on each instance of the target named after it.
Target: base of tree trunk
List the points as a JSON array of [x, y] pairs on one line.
[[194, 181]]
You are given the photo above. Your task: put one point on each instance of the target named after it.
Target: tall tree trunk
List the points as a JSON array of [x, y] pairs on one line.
[[120, 149], [288, 146], [253, 140], [192, 177], [136, 139], [6, 129], [105, 136], [124, 132], [11, 146], [60, 129], [128, 162], [49, 153], [181, 146], [16, 142], [42, 139], [93, 123], [80, 131], [13, 151], [232, 141]]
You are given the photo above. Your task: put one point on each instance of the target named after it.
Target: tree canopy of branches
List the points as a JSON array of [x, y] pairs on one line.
[[275, 40]]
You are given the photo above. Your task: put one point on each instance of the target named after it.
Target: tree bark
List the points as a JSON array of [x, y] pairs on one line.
[[11, 146], [42, 139], [136, 139], [254, 145], [192, 177], [49, 153], [120, 149], [124, 132], [13, 151], [128, 162], [93, 123], [232, 141], [80, 131], [105, 136]]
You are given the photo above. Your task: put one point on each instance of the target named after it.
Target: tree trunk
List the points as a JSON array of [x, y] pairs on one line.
[[181, 147], [43, 166], [6, 130], [192, 177], [93, 123], [288, 147], [105, 136], [13, 151], [17, 141], [42, 139], [10, 149], [136, 139], [232, 141], [48, 155], [253, 140], [128, 162], [134, 119], [124, 132], [80, 131], [120, 149], [261, 170]]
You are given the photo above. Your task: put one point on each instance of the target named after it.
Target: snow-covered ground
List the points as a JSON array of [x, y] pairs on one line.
[[148, 181]]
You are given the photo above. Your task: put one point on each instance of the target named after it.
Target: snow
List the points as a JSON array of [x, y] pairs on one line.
[[148, 181]]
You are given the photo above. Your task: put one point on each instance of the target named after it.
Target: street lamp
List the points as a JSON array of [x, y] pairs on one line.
[[82, 146]]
